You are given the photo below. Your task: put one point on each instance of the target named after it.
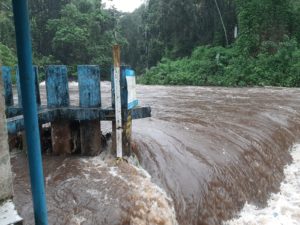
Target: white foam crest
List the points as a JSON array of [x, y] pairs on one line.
[[77, 220], [152, 205], [47, 179], [115, 173], [95, 162], [94, 192], [283, 207]]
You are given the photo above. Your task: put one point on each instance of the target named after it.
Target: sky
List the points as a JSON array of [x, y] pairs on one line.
[[124, 5]]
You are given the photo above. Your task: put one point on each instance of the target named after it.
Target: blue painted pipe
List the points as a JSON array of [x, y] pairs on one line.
[[24, 51]]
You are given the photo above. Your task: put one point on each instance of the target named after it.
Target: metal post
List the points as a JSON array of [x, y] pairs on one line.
[[118, 112], [24, 50]]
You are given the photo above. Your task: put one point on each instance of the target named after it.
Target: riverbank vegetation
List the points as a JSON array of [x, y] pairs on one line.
[[177, 42], [263, 49], [276, 64]]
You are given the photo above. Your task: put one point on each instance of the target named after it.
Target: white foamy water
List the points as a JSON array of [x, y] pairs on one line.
[[284, 207], [8, 214], [152, 205]]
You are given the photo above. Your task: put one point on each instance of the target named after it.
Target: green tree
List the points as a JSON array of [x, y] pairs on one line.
[[261, 21], [7, 56], [7, 32]]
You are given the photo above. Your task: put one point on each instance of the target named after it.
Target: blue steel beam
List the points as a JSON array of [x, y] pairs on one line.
[[24, 52]]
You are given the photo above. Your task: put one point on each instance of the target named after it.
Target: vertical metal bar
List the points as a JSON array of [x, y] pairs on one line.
[[24, 50], [118, 112]]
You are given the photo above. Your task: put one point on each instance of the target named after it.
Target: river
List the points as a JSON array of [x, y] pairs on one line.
[[205, 152]]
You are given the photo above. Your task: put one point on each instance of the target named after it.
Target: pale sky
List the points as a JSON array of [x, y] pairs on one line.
[[123, 5]]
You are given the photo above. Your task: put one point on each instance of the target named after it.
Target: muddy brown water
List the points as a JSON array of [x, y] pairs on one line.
[[208, 151]]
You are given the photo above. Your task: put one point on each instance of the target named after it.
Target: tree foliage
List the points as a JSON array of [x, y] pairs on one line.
[[219, 66], [7, 55], [265, 53], [173, 28], [66, 31], [172, 41]]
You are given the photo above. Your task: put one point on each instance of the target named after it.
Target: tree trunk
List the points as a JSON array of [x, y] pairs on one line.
[[222, 21]]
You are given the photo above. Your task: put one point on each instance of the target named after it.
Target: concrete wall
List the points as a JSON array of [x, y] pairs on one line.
[[5, 167]]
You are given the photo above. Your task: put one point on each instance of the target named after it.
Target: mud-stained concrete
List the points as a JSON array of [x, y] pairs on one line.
[[5, 167], [209, 149]]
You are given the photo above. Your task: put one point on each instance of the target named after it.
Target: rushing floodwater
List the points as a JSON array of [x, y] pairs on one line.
[[208, 152], [283, 207]]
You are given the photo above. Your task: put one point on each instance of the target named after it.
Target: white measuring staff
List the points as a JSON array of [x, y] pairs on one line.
[[118, 112]]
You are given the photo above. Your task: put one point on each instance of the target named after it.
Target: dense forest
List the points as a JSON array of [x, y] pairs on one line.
[[178, 42]]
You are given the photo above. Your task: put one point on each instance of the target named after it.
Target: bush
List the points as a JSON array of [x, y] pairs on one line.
[[7, 56], [276, 64]]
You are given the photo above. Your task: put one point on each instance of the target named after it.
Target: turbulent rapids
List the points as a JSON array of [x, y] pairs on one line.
[[204, 153]]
